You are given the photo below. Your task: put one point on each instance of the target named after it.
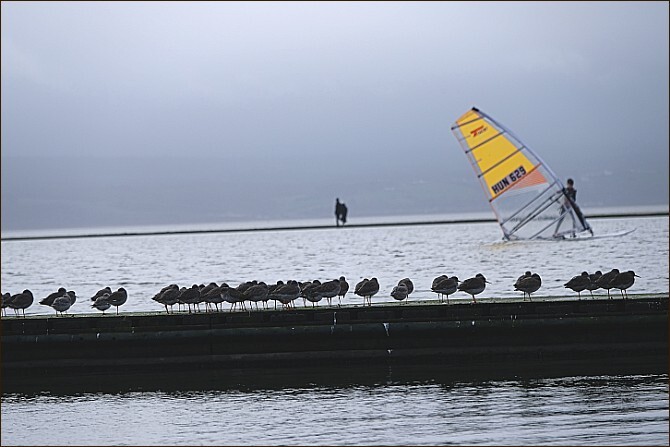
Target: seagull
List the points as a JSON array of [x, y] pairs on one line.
[[6, 298], [578, 283], [593, 277], [61, 304], [231, 295], [102, 303], [437, 281], [272, 290], [528, 274], [444, 285], [256, 293], [329, 290], [311, 292], [118, 298], [214, 296], [474, 286], [605, 280], [73, 297], [190, 296], [21, 301], [48, 301], [168, 296], [101, 292], [344, 288], [528, 285], [410, 285], [400, 292], [623, 281], [288, 293], [367, 289], [360, 284]]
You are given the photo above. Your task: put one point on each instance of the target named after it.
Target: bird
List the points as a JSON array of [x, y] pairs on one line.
[[245, 285], [593, 277], [528, 285], [48, 301], [400, 292], [102, 303], [215, 296], [444, 285], [410, 285], [242, 287], [6, 298], [288, 293], [623, 281], [73, 297], [528, 274], [21, 301], [367, 290], [360, 284], [605, 280], [101, 292], [168, 296], [578, 283], [310, 292], [233, 296], [61, 304], [474, 286], [344, 288], [256, 293], [118, 298], [329, 290], [189, 296]]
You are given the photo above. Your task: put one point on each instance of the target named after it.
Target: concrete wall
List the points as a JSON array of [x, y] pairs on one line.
[[453, 335]]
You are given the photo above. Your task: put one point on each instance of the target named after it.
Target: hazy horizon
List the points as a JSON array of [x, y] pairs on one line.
[[125, 114]]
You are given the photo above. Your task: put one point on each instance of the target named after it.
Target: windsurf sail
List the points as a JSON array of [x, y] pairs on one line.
[[527, 198]]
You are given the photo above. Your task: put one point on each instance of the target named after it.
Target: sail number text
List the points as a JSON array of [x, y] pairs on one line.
[[509, 179]]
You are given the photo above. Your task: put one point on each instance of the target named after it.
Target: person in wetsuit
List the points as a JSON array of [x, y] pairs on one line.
[[570, 194]]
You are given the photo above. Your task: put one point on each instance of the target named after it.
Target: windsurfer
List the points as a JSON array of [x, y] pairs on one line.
[[570, 194]]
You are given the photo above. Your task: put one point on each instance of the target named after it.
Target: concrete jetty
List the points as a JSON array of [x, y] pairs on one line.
[[485, 334]]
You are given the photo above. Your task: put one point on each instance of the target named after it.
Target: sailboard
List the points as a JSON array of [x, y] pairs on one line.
[[528, 199]]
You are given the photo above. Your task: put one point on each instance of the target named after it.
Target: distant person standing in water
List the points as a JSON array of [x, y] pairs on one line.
[[340, 212]]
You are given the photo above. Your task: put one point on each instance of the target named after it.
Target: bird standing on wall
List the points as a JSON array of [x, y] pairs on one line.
[[528, 285], [344, 288], [623, 281], [474, 286], [578, 283], [118, 298]]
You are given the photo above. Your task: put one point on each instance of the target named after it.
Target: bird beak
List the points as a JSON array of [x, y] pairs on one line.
[[636, 275]]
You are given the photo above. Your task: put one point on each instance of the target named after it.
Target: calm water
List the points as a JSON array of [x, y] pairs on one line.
[[145, 264], [376, 406], [354, 410]]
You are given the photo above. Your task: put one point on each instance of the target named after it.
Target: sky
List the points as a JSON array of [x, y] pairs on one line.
[[166, 113]]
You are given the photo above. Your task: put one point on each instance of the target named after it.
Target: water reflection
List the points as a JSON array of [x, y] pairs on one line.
[[343, 406], [528, 374]]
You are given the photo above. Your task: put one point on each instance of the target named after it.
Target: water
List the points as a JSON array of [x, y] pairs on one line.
[[145, 264], [352, 406], [358, 410]]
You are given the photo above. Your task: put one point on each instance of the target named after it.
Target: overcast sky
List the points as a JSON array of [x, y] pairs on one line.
[[128, 113]]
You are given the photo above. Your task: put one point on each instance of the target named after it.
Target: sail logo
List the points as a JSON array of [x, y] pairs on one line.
[[508, 180], [478, 131]]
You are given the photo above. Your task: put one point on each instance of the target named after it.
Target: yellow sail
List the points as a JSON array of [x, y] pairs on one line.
[[500, 163], [528, 199]]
